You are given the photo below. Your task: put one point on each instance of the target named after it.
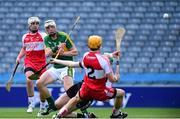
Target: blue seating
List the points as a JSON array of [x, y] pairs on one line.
[[155, 65], [151, 43], [167, 70], [136, 70], [142, 60], [161, 54], [152, 70], [147, 54], [158, 3], [140, 65], [158, 60]]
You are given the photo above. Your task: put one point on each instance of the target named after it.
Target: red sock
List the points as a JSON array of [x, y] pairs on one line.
[[63, 111]]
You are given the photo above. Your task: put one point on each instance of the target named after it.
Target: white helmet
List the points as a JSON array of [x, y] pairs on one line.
[[49, 23], [33, 19]]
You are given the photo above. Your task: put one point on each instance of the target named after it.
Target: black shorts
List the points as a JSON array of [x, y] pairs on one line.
[[72, 91], [29, 69]]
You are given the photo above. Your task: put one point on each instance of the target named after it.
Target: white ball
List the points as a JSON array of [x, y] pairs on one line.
[[165, 15]]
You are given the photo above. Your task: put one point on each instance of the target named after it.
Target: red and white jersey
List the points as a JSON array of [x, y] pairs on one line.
[[33, 44], [96, 68]]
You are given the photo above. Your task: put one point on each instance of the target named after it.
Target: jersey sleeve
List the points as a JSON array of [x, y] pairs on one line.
[[22, 40], [107, 67], [69, 42], [105, 64], [81, 63]]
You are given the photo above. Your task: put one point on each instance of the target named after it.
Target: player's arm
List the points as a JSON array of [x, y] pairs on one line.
[[69, 44], [113, 55], [113, 77], [22, 52], [65, 62], [48, 51], [72, 52], [109, 72], [20, 55]]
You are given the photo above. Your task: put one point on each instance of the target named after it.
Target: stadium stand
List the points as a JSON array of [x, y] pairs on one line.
[[151, 43]]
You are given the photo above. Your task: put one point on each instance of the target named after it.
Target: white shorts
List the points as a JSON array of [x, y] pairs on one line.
[[60, 73]]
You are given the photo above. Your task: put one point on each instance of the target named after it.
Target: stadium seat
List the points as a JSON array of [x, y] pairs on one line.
[[152, 70], [158, 60], [143, 60], [156, 65], [150, 45]]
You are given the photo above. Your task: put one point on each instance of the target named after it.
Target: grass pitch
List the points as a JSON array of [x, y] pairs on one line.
[[20, 113]]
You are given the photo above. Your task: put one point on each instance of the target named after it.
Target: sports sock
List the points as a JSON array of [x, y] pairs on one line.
[[79, 115], [85, 113], [31, 101], [42, 104], [62, 111], [50, 101]]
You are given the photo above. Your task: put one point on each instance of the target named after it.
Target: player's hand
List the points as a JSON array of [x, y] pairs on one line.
[[117, 77], [18, 60], [62, 45], [116, 54], [61, 51], [61, 48], [52, 61]]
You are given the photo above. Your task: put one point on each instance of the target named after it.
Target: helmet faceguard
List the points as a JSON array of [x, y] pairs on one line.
[[33, 19], [49, 23]]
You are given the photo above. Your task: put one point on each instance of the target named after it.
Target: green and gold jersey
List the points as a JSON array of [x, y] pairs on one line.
[[61, 38]]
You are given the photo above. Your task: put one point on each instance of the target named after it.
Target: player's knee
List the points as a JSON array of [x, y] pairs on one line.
[[120, 93], [77, 99], [39, 84], [68, 82]]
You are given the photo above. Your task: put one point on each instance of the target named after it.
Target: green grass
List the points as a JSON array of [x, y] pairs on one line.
[[100, 112]]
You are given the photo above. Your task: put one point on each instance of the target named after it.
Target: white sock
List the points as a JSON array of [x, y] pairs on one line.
[[31, 101], [42, 104]]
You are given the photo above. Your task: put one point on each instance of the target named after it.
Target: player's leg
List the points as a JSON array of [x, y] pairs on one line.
[[116, 112], [66, 109], [64, 98], [67, 75], [83, 105], [59, 103], [30, 89], [43, 106], [43, 102], [45, 79]]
